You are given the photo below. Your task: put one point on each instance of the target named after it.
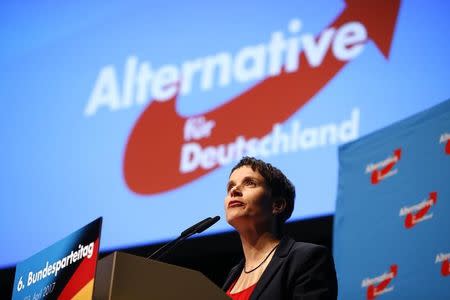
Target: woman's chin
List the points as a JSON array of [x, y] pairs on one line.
[[234, 217]]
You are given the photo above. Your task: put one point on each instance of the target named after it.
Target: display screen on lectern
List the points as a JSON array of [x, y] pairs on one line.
[[137, 111]]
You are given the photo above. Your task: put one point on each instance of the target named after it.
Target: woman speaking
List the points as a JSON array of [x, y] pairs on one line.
[[259, 200]]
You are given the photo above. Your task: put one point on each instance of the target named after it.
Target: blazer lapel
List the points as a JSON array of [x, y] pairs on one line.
[[275, 264], [232, 276]]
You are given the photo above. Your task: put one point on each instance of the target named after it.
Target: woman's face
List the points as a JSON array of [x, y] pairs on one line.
[[248, 201]]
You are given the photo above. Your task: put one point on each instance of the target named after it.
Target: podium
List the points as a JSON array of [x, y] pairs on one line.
[[125, 276]]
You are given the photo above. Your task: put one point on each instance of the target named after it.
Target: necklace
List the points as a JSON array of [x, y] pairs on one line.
[[247, 272]]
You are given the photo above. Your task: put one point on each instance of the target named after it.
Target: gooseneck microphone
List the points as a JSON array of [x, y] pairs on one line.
[[196, 228]]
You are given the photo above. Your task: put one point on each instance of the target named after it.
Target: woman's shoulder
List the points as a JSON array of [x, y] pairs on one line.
[[288, 245], [313, 264], [309, 247], [304, 251]]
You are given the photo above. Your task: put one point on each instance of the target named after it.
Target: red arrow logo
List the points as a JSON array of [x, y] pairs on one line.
[[374, 290], [152, 154], [413, 218], [378, 175], [447, 147], [445, 268]]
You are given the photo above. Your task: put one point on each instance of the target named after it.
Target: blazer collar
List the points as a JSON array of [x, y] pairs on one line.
[[275, 263], [234, 273], [282, 251]]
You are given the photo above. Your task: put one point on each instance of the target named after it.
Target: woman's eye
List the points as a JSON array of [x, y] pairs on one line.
[[251, 183]]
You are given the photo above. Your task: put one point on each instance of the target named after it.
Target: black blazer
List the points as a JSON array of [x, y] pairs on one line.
[[297, 271]]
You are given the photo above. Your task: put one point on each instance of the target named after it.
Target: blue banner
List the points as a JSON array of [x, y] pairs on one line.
[[391, 228], [64, 270]]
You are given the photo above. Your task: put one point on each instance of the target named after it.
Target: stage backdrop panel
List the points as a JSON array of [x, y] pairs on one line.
[[137, 110], [391, 230]]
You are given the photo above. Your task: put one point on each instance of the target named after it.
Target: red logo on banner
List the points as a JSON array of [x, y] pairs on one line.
[[384, 169], [152, 155], [380, 284], [445, 138], [445, 269], [418, 213], [444, 259]]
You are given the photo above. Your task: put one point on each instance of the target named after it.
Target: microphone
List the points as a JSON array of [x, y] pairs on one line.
[[205, 225], [200, 226], [193, 227], [196, 228]]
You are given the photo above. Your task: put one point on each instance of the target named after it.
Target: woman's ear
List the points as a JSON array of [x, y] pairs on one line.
[[278, 206]]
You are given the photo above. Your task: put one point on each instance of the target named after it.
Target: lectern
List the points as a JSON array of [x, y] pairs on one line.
[[125, 276]]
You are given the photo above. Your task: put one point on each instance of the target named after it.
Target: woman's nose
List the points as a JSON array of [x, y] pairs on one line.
[[236, 191]]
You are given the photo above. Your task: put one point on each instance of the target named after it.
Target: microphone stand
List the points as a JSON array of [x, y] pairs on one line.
[[162, 252], [197, 228]]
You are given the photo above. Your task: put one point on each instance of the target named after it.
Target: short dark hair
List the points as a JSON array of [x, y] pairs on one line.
[[279, 184]]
